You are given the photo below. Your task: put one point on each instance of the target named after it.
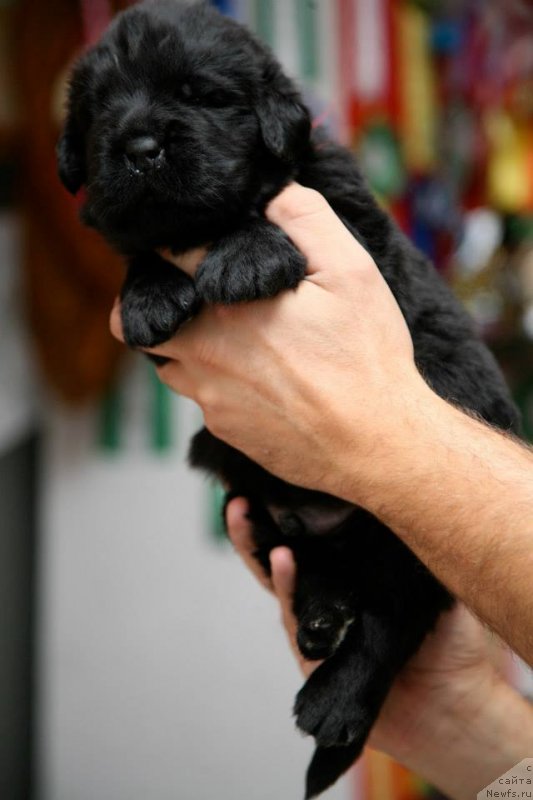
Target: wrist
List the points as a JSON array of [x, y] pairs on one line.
[[370, 454]]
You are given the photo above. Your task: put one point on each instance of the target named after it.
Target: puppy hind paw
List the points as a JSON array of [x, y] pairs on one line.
[[332, 719]]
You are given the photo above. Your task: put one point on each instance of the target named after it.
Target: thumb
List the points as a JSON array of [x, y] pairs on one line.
[[310, 222]]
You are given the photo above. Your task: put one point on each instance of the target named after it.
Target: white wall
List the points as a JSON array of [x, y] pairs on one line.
[[16, 383]]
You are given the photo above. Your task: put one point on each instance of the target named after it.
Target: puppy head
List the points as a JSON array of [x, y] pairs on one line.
[[178, 120]]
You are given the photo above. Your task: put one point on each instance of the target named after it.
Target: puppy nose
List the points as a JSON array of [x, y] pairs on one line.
[[144, 152]]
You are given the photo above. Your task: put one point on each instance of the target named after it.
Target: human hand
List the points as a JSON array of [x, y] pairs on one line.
[[326, 370], [450, 671]]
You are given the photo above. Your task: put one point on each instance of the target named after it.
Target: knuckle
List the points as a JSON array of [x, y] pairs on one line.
[[312, 201], [115, 324], [368, 272], [208, 400]]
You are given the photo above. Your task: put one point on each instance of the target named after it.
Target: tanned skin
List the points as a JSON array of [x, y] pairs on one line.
[[273, 382], [449, 716]]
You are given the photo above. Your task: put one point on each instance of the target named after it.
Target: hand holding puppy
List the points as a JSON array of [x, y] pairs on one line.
[[322, 370], [449, 716], [319, 385]]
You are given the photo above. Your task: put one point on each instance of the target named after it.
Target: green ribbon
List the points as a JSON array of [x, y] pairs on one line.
[[265, 18], [380, 157], [110, 420], [161, 423], [216, 504], [306, 14]]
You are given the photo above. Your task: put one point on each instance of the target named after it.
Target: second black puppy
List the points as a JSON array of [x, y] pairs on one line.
[[182, 127]]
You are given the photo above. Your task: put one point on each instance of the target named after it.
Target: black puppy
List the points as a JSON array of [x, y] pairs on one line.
[[182, 127]]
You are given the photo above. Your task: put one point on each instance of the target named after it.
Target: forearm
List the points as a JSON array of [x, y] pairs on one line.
[[460, 495], [464, 749]]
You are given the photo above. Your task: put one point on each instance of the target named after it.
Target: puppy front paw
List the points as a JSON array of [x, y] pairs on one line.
[[257, 262], [155, 301], [326, 709]]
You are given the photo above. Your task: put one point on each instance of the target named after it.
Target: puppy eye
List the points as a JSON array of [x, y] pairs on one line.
[[210, 98]]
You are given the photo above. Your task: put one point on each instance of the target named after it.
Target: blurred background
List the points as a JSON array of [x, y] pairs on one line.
[[137, 658]]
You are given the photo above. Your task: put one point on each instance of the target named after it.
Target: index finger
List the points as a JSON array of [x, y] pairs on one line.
[[308, 219]]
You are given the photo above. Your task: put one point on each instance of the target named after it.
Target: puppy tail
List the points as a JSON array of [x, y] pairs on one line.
[[327, 765]]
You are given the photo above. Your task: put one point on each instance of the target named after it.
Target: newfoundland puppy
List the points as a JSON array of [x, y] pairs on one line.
[[181, 126]]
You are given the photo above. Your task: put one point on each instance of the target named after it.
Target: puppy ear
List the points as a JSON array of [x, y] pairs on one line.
[[283, 118], [71, 156]]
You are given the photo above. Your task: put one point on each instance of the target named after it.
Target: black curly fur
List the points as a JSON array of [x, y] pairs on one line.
[[228, 131]]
